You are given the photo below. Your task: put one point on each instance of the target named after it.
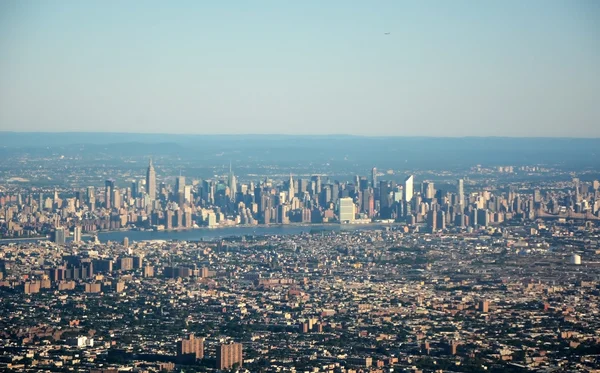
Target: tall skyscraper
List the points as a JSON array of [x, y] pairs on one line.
[[151, 181], [346, 210], [374, 177], [291, 192], [179, 184], [461, 193], [408, 188], [77, 234], [232, 184], [229, 355], [59, 236], [109, 186], [428, 189]]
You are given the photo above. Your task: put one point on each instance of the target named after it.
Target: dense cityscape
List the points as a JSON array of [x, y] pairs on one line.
[[300, 186], [486, 268]]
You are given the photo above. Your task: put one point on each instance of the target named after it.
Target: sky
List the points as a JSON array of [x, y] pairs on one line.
[[447, 68]]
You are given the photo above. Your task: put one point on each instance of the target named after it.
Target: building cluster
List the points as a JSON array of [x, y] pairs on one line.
[[502, 299], [146, 204]]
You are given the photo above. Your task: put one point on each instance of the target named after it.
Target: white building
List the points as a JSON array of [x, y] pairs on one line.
[[409, 188], [347, 210], [81, 341]]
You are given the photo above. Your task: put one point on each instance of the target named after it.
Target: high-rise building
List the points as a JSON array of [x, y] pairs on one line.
[[151, 181], [428, 190], [229, 355], [191, 348], [109, 186], [374, 177], [77, 234], [291, 192], [232, 184], [432, 220], [346, 210], [179, 185], [408, 188], [59, 235], [461, 193]]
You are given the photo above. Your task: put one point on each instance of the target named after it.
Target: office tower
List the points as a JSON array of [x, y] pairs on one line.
[[428, 190], [190, 349], [483, 217], [179, 185], [346, 210], [461, 193], [134, 190], [537, 196], [187, 194], [59, 235], [432, 220], [232, 184], [302, 186], [317, 185], [115, 198], [325, 196], [151, 181], [109, 186], [291, 192], [126, 242], [408, 188], [363, 183], [374, 177], [335, 192], [441, 220], [384, 194], [77, 234], [229, 355]]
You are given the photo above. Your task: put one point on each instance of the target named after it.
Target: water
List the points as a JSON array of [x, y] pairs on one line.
[[206, 234]]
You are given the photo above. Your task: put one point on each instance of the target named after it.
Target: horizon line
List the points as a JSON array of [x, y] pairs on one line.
[[298, 135]]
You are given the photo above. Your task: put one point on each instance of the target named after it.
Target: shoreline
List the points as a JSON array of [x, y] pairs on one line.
[[256, 230]]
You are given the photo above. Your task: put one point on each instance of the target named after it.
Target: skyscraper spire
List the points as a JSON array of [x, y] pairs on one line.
[[232, 183], [151, 181], [291, 191]]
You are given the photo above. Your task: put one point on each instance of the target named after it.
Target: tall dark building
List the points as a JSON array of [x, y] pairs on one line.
[[229, 355], [59, 236]]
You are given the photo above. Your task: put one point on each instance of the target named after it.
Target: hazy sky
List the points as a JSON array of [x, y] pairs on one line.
[[448, 68]]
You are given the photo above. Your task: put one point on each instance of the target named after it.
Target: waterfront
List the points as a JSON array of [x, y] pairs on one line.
[[208, 234]]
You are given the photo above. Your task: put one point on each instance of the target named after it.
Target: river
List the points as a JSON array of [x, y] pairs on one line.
[[208, 234]]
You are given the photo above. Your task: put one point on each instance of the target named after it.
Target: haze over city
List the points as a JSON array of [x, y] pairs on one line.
[[287, 187], [460, 68]]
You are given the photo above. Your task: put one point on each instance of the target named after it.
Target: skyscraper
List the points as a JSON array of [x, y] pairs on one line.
[[59, 235], [428, 189], [346, 210], [179, 184], [151, 181], [229, 355], [232, 184], [408, 188], [374, 177], [77, 234], [109, 187], [291, 192], [461, 193]]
